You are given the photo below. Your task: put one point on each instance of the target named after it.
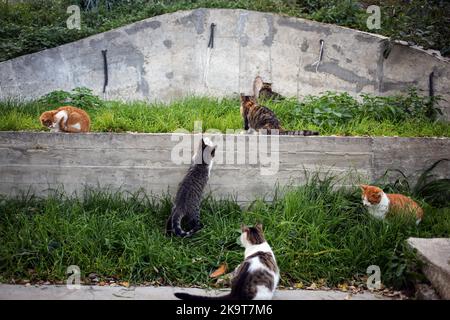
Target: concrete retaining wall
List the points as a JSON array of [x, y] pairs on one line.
[[131, 161], [166, 57]]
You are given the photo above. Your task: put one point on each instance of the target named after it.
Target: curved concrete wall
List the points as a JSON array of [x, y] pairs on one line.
[[166, 57]]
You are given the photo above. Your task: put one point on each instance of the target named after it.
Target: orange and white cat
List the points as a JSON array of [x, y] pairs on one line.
[[380, 204], [66, 119]]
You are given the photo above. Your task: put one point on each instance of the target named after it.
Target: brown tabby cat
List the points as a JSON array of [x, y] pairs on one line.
[[66, 119], [263, 90], [258, 117], [380, 204], [257, 276]]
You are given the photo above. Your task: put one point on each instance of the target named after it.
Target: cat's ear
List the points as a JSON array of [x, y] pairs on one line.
[[244, 228], [259, 226], [203, 144], [363, 187], [257, 86]]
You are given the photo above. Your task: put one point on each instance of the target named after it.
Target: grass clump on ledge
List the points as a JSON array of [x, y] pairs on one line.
[[330, 114], [320, 233]]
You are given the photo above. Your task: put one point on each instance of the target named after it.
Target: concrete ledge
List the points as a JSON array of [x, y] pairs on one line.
[[40, 162], [20, 292], [435, 253]]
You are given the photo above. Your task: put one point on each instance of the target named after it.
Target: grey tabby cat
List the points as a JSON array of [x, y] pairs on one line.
[[256, 277], [190, 190]]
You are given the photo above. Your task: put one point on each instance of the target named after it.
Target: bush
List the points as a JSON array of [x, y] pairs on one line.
[[79, 97], [333, 109]]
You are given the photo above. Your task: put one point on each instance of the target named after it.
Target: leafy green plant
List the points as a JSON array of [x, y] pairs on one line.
[[403, 268], [401, 107], [78, 97], [333, 109], [346, 12], [329, 110]]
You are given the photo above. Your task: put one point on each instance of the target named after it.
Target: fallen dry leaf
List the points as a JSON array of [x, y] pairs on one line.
[[299, 285], [343, 287], [313, 286], [124, 284], [220, 271]]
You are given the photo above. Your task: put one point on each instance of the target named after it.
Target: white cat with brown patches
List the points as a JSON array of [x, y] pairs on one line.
[[257, 277], [66, 119], [382, 205]]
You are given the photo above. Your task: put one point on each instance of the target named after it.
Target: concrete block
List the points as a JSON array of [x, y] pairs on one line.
[[43, 161], [435, 253]]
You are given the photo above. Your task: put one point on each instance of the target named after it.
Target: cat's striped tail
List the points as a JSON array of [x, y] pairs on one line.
[[173, 226], [300, 133]]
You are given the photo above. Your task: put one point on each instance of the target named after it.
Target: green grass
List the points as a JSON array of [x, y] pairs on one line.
[[35, 25], [317, 232], [330, 114]]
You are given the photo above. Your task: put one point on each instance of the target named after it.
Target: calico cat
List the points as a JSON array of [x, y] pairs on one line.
[[190, 190], [258, 117], [263, 90], [380, 204], [66, 119], [257, 276]]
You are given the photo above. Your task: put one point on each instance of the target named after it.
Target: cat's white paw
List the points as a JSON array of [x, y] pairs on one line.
[[208, 141]]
